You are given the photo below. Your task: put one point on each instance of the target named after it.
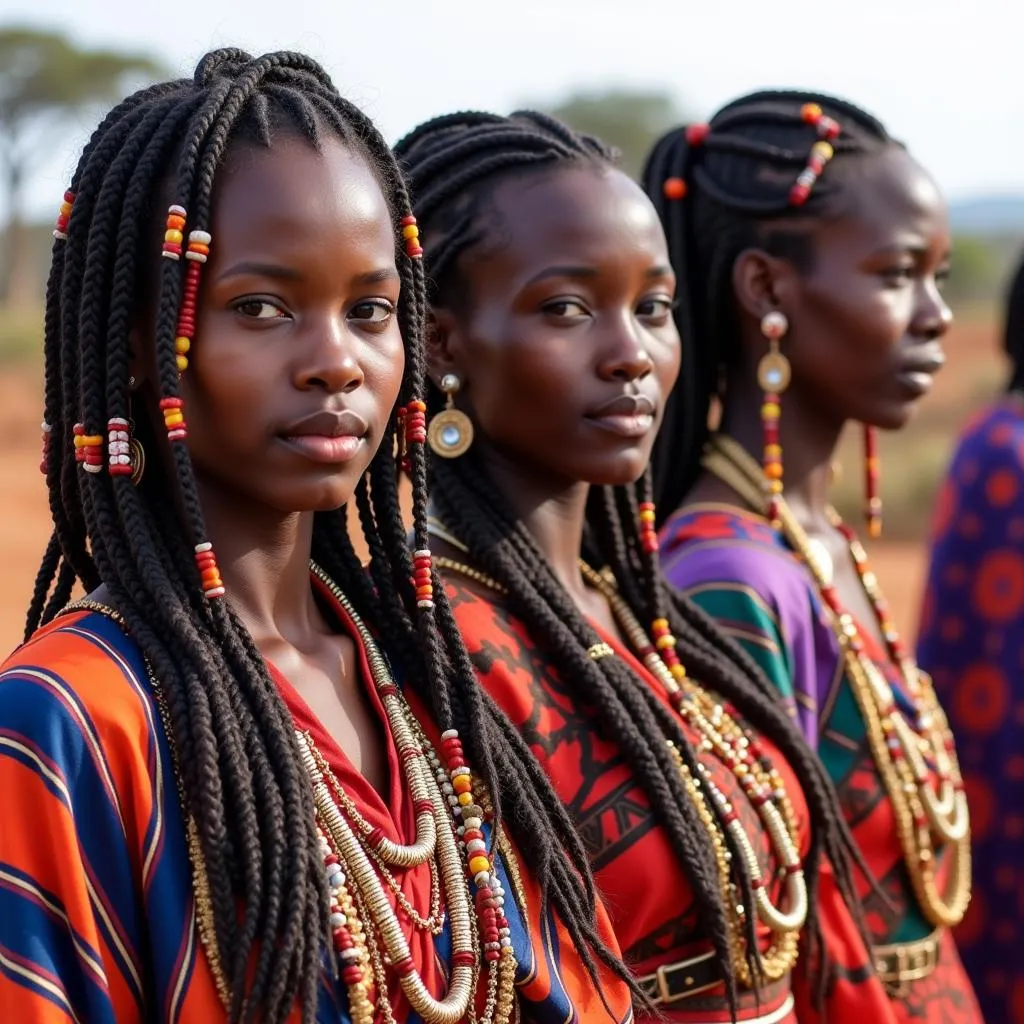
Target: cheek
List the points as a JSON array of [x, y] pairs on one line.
[[383, 365]]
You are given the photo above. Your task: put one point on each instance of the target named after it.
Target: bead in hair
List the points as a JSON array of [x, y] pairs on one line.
[[174, 418], [206, 563], [675, 188], [88, 449], [64, 215], [411, 234], [423, 579], [196, 255], [47, 432], [821, 152], [173, 236]]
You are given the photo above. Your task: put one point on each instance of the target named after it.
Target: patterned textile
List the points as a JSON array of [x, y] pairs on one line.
[[741, 572], [638, 874], [972, 641], [97, 912]]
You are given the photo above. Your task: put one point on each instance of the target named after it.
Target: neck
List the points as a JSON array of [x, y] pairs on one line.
[[264, 562], [808, 440], [552, 510]]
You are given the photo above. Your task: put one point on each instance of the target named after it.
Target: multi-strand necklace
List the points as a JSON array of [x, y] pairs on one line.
[[721, 733], [913, 750], [366, 931]]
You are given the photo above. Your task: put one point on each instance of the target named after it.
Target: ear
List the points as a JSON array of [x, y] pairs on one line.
[[443, 345], [139, 367], [762, 283]]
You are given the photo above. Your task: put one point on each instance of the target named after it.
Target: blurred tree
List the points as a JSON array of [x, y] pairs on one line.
[[632, 121], [44, 81], [976, 270]]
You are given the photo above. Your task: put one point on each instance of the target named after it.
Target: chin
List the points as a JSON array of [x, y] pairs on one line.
[[622, 471]]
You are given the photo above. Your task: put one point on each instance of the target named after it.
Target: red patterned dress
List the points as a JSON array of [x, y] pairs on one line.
[[638, 875]]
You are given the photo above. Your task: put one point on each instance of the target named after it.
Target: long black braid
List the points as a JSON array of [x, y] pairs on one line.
[[738, 179], [452, 164], [241, 773]]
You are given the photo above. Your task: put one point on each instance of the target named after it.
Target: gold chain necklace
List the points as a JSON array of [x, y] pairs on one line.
[[900, 753]]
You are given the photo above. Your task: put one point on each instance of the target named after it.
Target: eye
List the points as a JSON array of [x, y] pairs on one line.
[[897, 275], [375, 311], [566, 309], [259, 309], [657, 307]]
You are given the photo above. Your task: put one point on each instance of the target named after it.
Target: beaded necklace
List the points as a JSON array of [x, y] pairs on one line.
[[916, 761], [721, 732], [366, 934]]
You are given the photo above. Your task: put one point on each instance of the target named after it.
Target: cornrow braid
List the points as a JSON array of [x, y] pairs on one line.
[[474, 150], [731, 184], [240, 768]]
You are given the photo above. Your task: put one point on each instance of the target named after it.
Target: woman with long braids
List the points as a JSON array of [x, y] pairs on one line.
[[711, 829], [222, 799], [970, 640], [809, 249]]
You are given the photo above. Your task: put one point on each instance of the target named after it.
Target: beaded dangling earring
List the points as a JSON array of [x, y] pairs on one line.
[[872, 499], [451, 430], [773, 376]]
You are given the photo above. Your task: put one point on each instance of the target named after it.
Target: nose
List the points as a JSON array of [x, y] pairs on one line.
[[624, 355], [327, 356], [933, 317]]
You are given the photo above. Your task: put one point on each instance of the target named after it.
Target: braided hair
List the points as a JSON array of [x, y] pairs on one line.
[[1013, 330], [453, 164], [738, 172], [240, 768]]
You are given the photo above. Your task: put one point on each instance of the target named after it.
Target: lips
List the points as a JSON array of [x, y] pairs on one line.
[[629, 416], [916, 372], [327, 437]]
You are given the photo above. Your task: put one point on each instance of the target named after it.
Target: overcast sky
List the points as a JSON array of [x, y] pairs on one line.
[[948, 82]]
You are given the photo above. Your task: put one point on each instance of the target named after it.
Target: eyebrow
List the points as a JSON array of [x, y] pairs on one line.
[[565, 270], [283, 273]]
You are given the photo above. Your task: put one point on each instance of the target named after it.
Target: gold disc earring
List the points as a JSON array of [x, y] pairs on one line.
[[451, 431]]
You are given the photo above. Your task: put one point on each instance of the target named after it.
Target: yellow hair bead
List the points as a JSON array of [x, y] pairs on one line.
[[410, 231], [173, 235], [465, 799], [182, 345], [666, 641]]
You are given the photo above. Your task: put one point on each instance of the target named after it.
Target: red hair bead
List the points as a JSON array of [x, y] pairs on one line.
[[174, 419], [648, 531], [697, 133], [88, 449], [206, 563], [64, 215], [423, 578], [416, 422], [411, 234], [674, 188]]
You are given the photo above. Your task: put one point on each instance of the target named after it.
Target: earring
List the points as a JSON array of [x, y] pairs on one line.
[[773, 376], [451, 430], [872, 499]]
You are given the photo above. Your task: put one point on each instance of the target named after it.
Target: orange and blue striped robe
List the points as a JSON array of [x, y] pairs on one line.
[[97, 912]]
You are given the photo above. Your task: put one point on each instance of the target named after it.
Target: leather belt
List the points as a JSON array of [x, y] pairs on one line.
[[901, 963], [672, 982]]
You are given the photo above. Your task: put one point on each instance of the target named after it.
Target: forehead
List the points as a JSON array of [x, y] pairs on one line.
[[290, 190], [891, 200], [594, 211]]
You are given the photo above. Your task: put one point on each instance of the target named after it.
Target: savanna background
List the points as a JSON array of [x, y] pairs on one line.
[[625, 72]]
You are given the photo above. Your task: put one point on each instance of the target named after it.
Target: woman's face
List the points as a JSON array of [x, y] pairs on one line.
[[297, 361], [563, 335], [866, 321]]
